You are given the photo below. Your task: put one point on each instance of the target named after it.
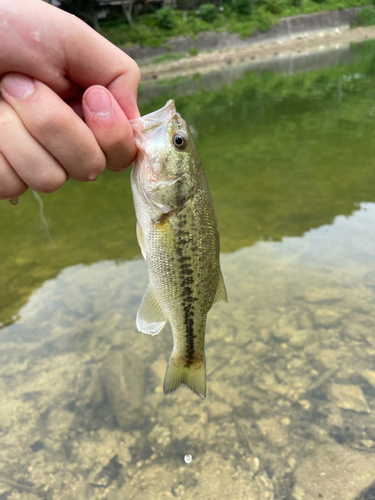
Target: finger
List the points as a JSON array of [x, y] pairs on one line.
[[55, 126], [26, 157], [11, 185], [110, 126], [66, 50]]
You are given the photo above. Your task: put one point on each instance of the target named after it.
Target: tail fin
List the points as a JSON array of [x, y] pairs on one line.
[[193, 376]]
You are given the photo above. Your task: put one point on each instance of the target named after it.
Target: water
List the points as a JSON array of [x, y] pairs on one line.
[[291, 358]]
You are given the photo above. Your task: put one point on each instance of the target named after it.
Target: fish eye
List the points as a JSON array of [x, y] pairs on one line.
[[179, 141]]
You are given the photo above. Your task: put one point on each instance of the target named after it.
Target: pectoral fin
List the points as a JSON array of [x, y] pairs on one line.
[[150, 317], [141, 240], [221, 293]]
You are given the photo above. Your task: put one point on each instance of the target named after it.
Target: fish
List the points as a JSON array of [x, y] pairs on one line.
[[178, 234]]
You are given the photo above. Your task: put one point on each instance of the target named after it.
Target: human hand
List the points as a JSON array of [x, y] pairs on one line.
[[55, 69]]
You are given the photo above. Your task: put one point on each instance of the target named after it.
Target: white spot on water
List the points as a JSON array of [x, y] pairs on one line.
[[188, 458]]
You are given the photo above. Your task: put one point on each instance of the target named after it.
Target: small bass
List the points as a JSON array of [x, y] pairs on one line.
[[179, 238]]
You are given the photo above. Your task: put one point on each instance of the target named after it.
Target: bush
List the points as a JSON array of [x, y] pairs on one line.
[[165, 18], [193, 51], [366, 16], [263, 19], [208, 12], [243, 7], [275, 6]]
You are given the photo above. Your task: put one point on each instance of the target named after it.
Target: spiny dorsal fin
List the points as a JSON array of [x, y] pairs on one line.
[[221, 293], [150, 317]]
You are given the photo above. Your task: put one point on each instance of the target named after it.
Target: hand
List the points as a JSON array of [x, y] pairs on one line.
[[54, 71]]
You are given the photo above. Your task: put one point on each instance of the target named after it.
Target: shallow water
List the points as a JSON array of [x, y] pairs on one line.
[[291, 357]]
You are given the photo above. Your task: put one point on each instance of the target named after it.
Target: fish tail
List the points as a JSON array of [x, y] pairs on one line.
[[192, 375]]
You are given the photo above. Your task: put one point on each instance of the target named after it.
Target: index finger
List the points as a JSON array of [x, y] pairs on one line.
[[63, 52]]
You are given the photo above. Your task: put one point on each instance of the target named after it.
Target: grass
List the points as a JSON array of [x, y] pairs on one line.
[[147, 32], [170, 56]]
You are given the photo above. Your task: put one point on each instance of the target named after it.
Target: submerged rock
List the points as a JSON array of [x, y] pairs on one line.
[[333, 472], [369, 375], [273, 431], [327, 317], [315, 295], [349, 397], [301, 338]]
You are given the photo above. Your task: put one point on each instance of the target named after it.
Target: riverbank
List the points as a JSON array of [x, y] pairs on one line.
[[215, 60]]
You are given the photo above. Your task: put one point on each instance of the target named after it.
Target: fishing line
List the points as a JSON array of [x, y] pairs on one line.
[[47, 231]]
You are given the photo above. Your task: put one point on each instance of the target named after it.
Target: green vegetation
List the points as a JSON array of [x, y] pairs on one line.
[[165, 18], [243, 7], [169, 56], [366, 16], [242, 16], [208, 12]]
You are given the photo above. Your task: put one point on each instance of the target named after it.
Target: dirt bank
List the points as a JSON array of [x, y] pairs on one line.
[[211, 61]]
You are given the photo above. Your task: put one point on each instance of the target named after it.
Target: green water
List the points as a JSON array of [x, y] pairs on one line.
[[281, 155], [291, 375]]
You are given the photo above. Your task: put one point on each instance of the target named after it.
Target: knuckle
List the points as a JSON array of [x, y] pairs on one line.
[[11, 186], [137, 72], [8, 119], [94, 168], [50, 182], [49, 123], [133, 69], [7, 192]]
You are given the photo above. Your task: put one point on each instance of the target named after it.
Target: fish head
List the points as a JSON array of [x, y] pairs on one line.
[[165, 169]]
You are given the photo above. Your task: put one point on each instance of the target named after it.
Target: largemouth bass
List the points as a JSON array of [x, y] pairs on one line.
[[179, 238]]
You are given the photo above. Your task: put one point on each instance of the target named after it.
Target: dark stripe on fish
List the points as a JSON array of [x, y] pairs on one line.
[[186, 275]]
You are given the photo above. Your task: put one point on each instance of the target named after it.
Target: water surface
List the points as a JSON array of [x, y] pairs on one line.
[[291, 358]]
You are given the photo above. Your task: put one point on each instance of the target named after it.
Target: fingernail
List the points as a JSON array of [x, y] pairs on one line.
[[14, 201], [99, 103], [18, 86]]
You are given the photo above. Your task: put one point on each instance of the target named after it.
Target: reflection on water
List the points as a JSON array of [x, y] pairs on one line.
[[281, 155], [291, 357], [291, 381]]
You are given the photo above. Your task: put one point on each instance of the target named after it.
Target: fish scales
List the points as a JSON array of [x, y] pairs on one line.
[[178, 234]]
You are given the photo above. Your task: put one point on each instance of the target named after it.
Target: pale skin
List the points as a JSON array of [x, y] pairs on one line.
[[67, 95]]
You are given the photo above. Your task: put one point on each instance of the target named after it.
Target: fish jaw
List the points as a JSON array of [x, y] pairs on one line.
[[153, 125]]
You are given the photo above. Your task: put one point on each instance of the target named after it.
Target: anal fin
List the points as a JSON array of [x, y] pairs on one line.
[[150, 317]]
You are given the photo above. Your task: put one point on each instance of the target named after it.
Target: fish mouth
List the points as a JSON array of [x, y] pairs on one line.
[[153, 124]]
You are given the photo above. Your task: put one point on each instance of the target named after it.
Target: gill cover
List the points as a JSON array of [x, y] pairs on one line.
[[163, 168]]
